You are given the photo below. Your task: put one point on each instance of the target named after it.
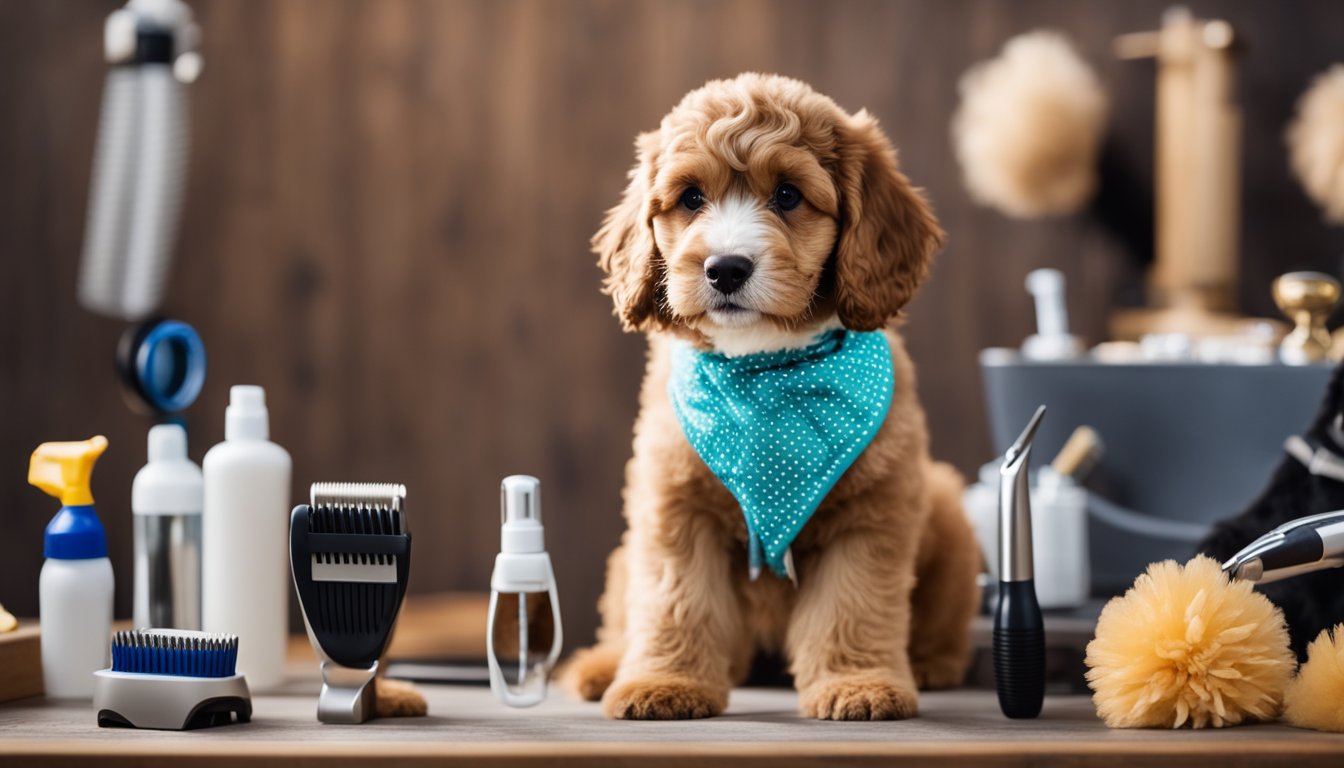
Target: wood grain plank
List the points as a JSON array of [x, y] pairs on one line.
[[465, 726], [21, 662]]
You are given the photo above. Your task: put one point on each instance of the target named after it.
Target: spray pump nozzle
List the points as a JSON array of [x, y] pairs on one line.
[[63, 469]]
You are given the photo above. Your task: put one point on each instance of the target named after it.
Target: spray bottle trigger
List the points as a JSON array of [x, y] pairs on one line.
[[63, 469]]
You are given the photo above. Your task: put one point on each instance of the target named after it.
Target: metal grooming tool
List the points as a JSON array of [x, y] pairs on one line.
[[350, 552], [1019, 630], [1300, 546]]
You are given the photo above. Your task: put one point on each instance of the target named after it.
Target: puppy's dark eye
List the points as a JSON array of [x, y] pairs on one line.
[[693, 198], [787, 197]]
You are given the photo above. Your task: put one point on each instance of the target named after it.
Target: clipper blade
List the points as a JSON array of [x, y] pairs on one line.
[[350, 556], [361, 508], [392, 495]]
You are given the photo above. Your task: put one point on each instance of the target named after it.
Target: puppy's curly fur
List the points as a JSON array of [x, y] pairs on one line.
[[887, 563]]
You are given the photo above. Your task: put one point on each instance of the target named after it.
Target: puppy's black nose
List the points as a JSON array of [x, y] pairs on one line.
[[727, 273]]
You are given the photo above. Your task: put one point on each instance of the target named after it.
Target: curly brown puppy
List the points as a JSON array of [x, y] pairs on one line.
[[761, 217]]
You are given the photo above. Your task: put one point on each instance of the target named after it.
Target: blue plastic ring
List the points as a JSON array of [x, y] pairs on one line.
[[180, 340]]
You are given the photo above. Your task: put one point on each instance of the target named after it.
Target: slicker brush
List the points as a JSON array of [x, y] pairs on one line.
[[1187, 646], [171, 679], [162, 652]]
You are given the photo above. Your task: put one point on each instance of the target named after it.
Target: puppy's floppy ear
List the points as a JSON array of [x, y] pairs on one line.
[[625, 246], [888, 231]]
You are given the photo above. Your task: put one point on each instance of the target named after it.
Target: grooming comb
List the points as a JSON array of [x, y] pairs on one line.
[[171, 679], [350, 553]]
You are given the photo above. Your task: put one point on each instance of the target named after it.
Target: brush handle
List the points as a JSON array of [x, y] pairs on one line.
[[1019, 650]]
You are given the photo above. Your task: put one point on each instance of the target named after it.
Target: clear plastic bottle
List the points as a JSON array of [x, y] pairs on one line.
[[166, 500], [524, 636], [245, 580]]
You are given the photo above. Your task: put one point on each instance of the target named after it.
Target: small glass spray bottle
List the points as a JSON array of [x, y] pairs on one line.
[[523, 638]]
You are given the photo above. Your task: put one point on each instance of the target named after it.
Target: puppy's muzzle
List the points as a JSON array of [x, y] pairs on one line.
[[726, 274]]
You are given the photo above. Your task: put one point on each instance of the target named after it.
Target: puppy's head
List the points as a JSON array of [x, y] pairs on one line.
[[760, 212]]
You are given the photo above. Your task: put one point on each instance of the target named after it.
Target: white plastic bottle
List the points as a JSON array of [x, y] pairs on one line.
[[75, 599], [75, 588], [166, 500], [245, 576]]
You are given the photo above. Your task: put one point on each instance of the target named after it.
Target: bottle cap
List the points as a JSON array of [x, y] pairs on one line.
[[170, 483], [246, 416], [520, 498], [520, 512], [63, 470]]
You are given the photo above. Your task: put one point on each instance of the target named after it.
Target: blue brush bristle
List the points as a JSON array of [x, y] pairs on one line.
[[174, 652]]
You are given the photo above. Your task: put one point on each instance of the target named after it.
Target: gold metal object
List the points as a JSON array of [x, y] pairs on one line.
[[1307, 298], [1193, 283], [1337, 345]]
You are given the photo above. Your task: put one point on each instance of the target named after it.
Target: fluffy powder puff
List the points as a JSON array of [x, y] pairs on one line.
[[1316, 142], [1315, 698], [1029, 128], [1186, 646]]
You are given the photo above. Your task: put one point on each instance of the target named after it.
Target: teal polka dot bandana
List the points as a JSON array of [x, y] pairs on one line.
[[779, 428]]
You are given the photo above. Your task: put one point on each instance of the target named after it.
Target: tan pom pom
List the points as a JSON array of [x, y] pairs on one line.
[[1186, 646], [1029, 128], [397, 698], [1316, 142], [1315, 698]]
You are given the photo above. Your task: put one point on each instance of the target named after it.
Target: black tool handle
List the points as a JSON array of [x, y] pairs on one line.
[[1019, 650]]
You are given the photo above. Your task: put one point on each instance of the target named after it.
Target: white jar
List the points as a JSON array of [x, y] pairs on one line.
[[1059, 540]]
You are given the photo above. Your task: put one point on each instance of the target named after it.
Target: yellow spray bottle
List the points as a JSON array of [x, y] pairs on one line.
[[75, 589]]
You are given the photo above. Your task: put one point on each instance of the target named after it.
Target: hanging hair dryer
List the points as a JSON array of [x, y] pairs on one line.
[[140, 163]]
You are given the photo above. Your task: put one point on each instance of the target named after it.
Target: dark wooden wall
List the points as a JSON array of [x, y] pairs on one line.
[[387, 223]]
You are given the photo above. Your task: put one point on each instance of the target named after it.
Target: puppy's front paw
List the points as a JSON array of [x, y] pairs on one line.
[[662, 698], [589, 672], [859, 697]]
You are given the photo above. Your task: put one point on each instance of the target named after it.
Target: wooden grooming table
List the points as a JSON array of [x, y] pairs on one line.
[[466, 726]]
